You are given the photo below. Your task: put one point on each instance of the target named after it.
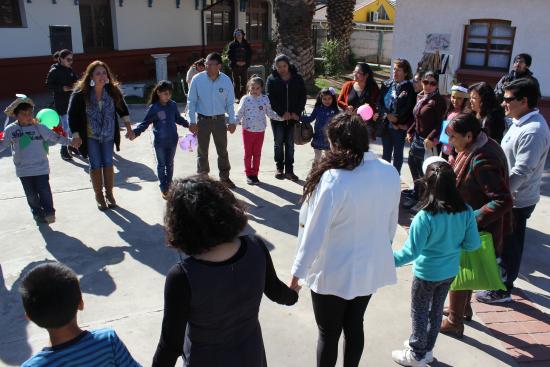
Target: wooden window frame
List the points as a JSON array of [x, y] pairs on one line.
[[223, 9], [490, 37], [94, 48], [16, 4], [258, 8]]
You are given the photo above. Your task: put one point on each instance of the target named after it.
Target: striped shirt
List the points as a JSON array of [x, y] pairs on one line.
[[98, 348]]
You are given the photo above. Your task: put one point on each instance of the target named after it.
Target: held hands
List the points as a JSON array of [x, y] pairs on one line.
[[428, 144], [294, 116], [294, 285], [76, 142], [231, 128], [130, 134], [194, 128], [409, 138], [391, 118], [286, 116]]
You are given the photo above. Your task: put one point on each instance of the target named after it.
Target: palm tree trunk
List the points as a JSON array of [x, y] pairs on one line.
[[294, 34], [340, 24]]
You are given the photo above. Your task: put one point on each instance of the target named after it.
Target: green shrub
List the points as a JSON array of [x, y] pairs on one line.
[[331, 53]]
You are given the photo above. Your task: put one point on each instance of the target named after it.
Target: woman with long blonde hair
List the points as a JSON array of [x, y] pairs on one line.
[[93, 109]]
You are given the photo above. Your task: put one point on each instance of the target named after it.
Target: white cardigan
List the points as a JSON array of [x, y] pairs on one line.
[[346, 230]]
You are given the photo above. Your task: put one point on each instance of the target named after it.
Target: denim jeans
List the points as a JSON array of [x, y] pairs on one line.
[[39, 195], [100, 154], [513, 245], [415, 161], [427, 301], [165, 165], [283, 135], [393, 143]]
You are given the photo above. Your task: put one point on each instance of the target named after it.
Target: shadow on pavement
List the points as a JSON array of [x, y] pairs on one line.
[[536, 259], [146, 241], [128, 169]]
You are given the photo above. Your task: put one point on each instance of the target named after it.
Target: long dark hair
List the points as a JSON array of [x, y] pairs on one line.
[[370, 83], [440, 194], [162, 86], [327, 92], [113, 88], [349, 138], [488, 98]]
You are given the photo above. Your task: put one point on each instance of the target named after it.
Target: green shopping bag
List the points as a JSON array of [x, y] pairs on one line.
[[479, 269]]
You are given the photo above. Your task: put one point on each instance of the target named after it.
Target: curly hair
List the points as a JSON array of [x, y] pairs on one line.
[[488, 97], [201, 213], [113, 88], [349, 140]]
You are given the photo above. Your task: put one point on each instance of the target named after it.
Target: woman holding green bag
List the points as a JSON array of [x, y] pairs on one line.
[[482, 180]]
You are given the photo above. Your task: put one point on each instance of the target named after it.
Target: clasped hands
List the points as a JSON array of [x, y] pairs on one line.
[[290, 116]]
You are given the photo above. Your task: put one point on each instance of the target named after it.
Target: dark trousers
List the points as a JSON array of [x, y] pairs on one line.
[[239, 75], [283, 134], [393, 143], [513, 246], [334, 314], [218, 129], [427, 301], [165, 165], [39, 195], [415, 161]]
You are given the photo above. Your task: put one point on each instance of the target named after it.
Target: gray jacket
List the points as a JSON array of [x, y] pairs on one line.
[[30, 159], [526, 146]]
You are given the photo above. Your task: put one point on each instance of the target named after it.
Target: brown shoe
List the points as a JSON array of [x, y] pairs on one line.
[[279, 175], [164, 195], [448, 328], [228, 183], [291, 176], [468, 312]]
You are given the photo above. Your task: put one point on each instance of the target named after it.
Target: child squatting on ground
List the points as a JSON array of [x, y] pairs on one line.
[[29, 143], [325, 108], [51, 297], [251, 113], [163, 113], [443, 227]]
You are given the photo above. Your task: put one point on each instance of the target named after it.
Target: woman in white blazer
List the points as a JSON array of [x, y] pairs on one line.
[[348, 220]]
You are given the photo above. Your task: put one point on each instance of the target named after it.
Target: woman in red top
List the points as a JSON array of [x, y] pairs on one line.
[[362, 89]]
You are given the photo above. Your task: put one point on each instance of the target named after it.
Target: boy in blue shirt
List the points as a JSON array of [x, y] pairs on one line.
[[51, 298]]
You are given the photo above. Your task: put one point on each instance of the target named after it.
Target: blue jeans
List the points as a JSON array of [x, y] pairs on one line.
[[427, 301], [165, 165], [393, 143], [100, 154], [283, 134], [39, 195]]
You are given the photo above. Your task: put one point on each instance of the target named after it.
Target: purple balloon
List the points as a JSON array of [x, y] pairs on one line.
[[365, 111], [188, 142]]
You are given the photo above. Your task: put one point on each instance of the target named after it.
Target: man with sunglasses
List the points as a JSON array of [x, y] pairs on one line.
[[520, 69], [526, 146], [59, 81]]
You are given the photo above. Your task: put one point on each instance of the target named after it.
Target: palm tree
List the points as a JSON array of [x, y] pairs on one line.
[[340, 24], [294, 35]]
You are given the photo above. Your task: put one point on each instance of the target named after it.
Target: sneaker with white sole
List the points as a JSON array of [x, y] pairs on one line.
[[429, 357], [405, 358], [498, 296]]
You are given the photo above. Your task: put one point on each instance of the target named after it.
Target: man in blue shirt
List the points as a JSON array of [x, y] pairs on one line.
[[210, 97]]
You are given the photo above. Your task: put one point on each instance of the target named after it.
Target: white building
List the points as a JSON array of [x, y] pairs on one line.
[[483, 36], [123, 33]]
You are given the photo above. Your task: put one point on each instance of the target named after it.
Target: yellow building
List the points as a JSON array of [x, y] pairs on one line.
[[374, 11]]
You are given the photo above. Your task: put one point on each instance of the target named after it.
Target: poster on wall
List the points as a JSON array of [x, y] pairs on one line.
[[437, 42]]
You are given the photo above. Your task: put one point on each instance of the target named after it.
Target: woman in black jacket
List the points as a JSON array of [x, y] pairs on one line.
[[93, 109], [59, 81], [240, 54], [396, 102], [287, 94], [490, 114]]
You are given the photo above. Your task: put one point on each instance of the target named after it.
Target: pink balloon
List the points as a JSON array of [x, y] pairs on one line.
[[188, 142], [365, 111]]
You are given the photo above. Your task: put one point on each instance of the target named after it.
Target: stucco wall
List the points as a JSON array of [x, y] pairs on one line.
[[414, 19], [364, 44], [33, 39]]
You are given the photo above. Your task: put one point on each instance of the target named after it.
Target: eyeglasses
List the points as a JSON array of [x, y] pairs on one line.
[[433, 83], [509, 99], [358, 72], [210, 65]]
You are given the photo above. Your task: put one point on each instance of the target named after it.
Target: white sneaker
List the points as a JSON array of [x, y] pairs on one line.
[[429, 357], [405, 358]]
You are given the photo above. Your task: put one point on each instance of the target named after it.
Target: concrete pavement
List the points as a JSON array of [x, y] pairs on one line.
[[121, 258]]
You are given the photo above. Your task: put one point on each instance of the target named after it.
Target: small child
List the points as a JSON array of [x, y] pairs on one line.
[[443, 227], [51, 298], [29, 144], [325, 108], [163, 113], [251, 113]]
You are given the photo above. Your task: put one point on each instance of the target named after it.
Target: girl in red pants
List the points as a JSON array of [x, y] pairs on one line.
[[251, 113]]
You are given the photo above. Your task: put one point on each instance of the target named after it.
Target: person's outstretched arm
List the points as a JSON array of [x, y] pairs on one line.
[[418, 235]]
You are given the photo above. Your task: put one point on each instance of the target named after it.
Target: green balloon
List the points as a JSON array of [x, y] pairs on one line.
[[48, 118]]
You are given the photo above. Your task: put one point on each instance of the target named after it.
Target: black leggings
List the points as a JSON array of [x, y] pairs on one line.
[[333, 314]]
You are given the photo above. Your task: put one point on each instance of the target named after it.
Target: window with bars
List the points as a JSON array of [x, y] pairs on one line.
[[219, 21], [257, 26], [97, 28], [10, 14], [488, 44]]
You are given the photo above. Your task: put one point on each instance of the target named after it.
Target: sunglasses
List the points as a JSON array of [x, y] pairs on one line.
[[509, 99], [433, 83]]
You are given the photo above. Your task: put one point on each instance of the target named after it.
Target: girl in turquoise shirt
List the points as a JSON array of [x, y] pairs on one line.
[[439, 232]]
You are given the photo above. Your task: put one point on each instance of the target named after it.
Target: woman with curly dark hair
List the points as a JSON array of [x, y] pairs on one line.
[[216, 292], [490, 114], [347, 222]]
